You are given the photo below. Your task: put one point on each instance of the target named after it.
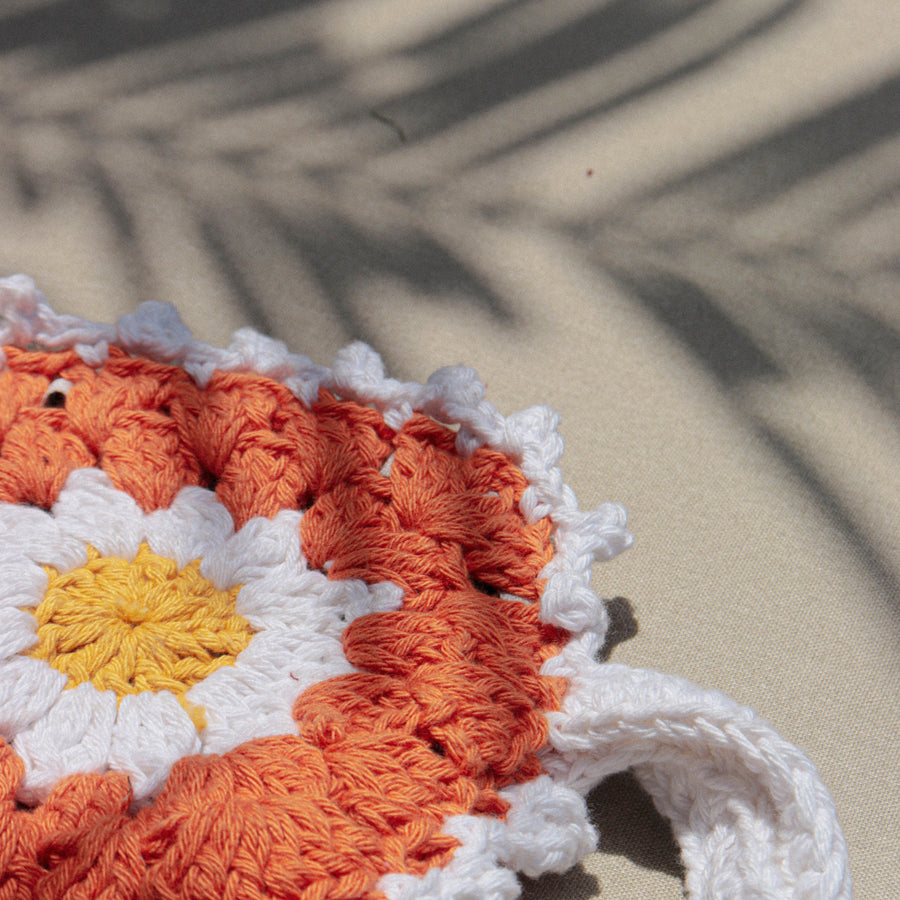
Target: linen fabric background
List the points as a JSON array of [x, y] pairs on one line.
[[676, 223]]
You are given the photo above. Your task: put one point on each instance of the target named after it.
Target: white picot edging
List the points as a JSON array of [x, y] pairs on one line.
[[749, 811]]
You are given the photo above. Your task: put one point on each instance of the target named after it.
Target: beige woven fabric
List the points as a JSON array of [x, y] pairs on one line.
[[675, 223]]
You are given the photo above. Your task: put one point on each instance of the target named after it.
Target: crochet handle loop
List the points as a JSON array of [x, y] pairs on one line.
[[747, 808]]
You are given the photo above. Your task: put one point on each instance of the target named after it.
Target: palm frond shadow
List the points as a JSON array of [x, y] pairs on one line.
[[138, 98], [786, 257], [77, 32], [485, 68]]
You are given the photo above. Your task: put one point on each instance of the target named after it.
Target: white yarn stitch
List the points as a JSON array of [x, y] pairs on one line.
[[748, 809], [18, 631], [27, 317], [20, 585], [155, 330], [358, 374], [28, 688], [750, 813], [252, 352], [91, 510], [30, 538], [152, 732], [74, 735], [254, 697], [548, 829], [195, 512]]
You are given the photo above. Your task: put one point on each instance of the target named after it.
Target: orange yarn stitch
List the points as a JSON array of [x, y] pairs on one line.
[[448, 705]]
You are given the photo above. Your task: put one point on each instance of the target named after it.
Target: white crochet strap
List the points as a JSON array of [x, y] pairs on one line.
[[748, 809]]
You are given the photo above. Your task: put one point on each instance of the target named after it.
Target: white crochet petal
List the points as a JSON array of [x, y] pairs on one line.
[[284, 596], [30, 533], [22, 582], [23, 528], [288, 596], [28, 688], [252, 551], [74, 736], [293, 651], [192, 526], [241, 706], [64, 552], [151, 733], [344, 601], [18, 631], [91, 509], [300, 615], [254, 697]]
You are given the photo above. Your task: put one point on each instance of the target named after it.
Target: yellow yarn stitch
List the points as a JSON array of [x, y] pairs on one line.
[[138, 626]]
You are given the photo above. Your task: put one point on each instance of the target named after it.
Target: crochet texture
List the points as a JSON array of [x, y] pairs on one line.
[[269, 629]]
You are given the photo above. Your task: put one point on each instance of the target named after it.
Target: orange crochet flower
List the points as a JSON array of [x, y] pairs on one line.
[[445, 706], [269, 629]]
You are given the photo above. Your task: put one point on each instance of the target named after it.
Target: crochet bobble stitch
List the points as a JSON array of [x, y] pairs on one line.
[[269, 629]]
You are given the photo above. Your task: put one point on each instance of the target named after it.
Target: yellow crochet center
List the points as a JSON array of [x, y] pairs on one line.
[[138, 626]]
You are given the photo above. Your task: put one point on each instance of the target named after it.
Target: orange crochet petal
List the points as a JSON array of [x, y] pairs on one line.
[[259, 444], [37, 457]]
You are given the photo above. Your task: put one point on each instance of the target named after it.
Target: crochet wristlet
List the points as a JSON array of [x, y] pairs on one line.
[[270, 629]]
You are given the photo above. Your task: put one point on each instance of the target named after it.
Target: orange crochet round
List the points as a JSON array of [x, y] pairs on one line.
[[446, 705]]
